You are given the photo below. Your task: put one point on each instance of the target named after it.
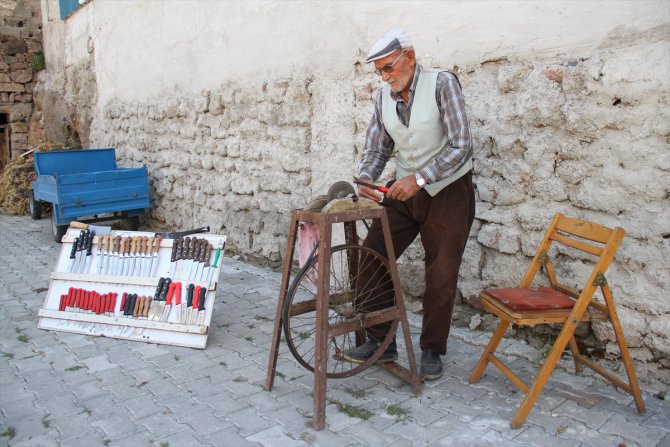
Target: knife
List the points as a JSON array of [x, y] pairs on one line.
[[177, 302], [179, 234], [122, 306], [139, 304], [104, 255], [157, 294], [186, 264], [125, 249], [98, 256], [196, 258], [205, 264], [145, 248], [189, 304], [73, 303], [80, 243], [113, 255], [73, 255], [132, 302], [133, 254], [196, 304], [154, 257], [163, 296], [168, 303], [213, 267], [201, 306], [176, 246], [147, 306], [382, 189], [82, 257], [89, 253], [201, 259]]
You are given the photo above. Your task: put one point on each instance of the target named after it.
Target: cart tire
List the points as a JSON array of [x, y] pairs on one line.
[[35, 206], [58, 230], [346, 303], [134, 223]]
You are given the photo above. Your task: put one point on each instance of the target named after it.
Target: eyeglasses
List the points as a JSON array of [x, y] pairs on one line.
[[388, 68]]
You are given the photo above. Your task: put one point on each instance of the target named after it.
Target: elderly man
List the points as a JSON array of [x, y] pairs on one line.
[[420, 113]]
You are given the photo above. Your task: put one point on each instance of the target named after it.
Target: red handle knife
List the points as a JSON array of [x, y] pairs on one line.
[[382, 189]]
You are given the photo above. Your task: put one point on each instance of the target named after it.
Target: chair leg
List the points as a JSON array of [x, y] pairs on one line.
[[625, 355], [575, 355], [490, 348], [543, 375]]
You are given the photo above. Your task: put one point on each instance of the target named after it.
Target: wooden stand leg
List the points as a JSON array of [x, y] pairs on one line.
[[276, 334], [414, 378], [321, 348]]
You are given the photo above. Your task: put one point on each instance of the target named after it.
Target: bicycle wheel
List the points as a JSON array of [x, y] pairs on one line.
[[358, 278]]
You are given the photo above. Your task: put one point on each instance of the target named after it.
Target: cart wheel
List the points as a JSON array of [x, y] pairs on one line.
[[35, 206], [134, 223], [346, 306], [58, 230]]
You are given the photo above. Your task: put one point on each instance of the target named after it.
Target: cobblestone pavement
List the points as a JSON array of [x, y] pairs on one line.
[[67, 389]]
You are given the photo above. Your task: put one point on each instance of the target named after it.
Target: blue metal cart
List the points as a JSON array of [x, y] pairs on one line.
[[86, 185]]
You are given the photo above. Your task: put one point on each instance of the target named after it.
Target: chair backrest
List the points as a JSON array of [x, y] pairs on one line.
[[584, 236]]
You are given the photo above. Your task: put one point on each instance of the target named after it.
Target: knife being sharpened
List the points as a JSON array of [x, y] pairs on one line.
[[382, 189]]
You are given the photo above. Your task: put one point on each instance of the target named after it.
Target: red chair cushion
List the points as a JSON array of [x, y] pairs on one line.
[[541, 298]]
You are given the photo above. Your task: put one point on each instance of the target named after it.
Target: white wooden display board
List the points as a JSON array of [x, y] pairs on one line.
[[116, 325]]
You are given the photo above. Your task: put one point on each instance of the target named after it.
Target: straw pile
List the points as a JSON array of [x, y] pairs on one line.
[[15, 184]]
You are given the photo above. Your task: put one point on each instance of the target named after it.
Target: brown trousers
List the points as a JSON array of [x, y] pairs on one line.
[[444, 223]]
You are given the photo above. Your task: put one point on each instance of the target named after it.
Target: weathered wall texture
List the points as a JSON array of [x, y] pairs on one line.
[[565, 117], [20, 54]]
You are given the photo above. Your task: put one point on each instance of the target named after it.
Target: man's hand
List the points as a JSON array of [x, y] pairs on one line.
[[403, 189], [369, 193]]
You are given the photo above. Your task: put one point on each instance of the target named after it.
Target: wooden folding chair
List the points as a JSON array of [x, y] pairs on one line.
[[559, 304]]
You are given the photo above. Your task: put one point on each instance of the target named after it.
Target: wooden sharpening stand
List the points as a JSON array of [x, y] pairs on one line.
[[323, 330]]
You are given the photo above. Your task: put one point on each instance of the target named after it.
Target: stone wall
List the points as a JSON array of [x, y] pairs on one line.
[[20, 55], [582, 132]]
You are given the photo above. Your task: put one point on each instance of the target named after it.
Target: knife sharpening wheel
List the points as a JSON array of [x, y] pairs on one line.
[[340, 190]]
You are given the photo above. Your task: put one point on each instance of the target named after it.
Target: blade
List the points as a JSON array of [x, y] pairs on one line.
[[87, 266], [198, 272], [137, 266], [154, 265], [131, 266]]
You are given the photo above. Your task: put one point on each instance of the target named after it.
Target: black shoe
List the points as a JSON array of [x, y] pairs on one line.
[[362, 353], [431, 365]]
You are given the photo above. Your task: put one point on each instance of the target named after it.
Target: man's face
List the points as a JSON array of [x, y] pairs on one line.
[[401, 64]]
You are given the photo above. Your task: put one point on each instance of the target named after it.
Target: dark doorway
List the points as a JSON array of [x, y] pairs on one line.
[[4, 141]]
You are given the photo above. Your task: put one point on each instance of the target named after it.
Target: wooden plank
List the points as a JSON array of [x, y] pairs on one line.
[[121, 321], [584, 229], [577, 244]]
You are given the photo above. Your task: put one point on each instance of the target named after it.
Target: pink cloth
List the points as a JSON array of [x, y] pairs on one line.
[[308, 237]]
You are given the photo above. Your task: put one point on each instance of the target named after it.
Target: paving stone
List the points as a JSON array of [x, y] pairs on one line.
[[203, 421], [160, 424], [116, 425], [229, 436], [141, 406], [275, 436], [248, 422], [366, 434], [619, 426], [224, 403]]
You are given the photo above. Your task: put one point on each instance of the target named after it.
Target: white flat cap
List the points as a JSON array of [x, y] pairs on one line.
[[396, 39]]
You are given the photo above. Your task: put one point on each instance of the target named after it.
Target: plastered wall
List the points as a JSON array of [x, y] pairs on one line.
[[245, 110]]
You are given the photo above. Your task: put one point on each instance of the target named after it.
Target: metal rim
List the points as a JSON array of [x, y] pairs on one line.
[[346, 306]]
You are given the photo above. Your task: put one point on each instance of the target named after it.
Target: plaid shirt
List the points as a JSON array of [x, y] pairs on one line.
[[379, 144]]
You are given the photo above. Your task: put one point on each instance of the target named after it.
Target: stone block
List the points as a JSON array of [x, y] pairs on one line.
[[11, 87], [21, 76]]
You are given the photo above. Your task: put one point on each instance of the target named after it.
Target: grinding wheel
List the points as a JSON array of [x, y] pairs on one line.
[[340, 190]]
